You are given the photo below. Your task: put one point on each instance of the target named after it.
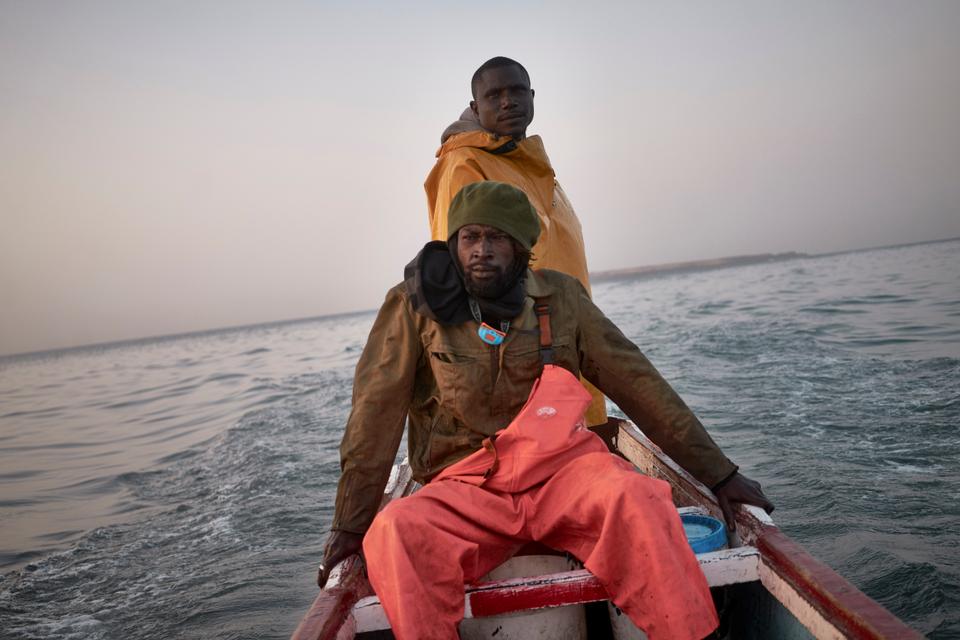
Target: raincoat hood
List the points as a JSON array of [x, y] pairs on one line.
[[468, 121]]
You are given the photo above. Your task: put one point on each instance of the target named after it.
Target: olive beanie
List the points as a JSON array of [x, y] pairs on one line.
[[495, 204]]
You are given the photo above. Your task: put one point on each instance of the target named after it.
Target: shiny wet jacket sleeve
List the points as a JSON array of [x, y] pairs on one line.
[[382, 389], [619, 369]]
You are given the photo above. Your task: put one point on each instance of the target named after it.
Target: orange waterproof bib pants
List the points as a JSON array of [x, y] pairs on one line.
[[547, 479]]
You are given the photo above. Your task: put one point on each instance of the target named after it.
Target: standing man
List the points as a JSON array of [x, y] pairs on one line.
[[489, 142]]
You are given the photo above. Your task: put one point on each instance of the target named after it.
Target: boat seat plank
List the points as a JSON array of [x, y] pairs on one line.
[[721, 568]]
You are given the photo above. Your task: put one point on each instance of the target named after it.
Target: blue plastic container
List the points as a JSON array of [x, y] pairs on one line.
[[703, 532]]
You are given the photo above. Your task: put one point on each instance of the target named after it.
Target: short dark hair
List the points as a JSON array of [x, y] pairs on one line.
[[494, 63]]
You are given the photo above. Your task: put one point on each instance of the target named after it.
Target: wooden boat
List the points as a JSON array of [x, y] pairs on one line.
[[764, 584]]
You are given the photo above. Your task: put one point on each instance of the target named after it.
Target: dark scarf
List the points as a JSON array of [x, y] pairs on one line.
[[434, 281]]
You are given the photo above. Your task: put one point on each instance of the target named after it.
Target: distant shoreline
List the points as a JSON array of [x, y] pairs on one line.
[[693, 265], [733, 261]]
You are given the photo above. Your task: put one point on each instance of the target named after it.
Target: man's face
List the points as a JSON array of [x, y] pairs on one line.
[[504, 102], [486, 255]]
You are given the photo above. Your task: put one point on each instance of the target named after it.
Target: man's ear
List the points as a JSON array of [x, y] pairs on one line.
[[532, 93], [473, 107]]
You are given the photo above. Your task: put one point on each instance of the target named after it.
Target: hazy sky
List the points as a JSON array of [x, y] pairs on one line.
[[175, 166]]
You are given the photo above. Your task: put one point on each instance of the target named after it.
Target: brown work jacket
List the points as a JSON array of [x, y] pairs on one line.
[[453, 390]]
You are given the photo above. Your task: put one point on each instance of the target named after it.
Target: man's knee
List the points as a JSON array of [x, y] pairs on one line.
[[607, 478], [388, 524], [600, 468], [395, 521]]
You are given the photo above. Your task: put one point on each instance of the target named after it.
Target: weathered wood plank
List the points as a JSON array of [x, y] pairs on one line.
[[649, 459]]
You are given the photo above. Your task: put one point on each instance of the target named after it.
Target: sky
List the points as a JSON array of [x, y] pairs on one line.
[[171, 166]]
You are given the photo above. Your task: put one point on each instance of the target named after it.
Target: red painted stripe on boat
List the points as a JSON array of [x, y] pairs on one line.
[[496, 598], [852, 611]]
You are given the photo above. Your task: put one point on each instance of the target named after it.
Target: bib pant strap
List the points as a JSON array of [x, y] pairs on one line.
[[542, 310]]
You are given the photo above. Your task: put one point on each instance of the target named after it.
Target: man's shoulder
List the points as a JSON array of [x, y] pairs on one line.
[[398, 288], [557, 282], [460, 155], [451, 163], [405, 299], [398, 297]]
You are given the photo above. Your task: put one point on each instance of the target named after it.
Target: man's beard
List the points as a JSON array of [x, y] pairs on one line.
[[489, 289]]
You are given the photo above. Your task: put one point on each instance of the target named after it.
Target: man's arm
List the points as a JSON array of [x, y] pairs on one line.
[[382, 390], [619, 369]]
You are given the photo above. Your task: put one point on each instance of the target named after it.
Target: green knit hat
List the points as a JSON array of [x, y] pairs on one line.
[[495, 204]]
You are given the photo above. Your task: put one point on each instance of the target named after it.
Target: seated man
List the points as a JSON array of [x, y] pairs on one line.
[[479, 356]]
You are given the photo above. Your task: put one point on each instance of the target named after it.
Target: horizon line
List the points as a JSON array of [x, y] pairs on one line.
[[708, 264]]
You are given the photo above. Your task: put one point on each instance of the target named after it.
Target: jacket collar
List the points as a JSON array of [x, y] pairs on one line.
[[477, 139], [529, 151]]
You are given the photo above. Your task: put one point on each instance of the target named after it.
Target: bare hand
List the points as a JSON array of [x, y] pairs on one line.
[[340, 546], [740, 489]]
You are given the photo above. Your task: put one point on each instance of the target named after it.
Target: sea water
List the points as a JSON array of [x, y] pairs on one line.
[[182, 487]]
